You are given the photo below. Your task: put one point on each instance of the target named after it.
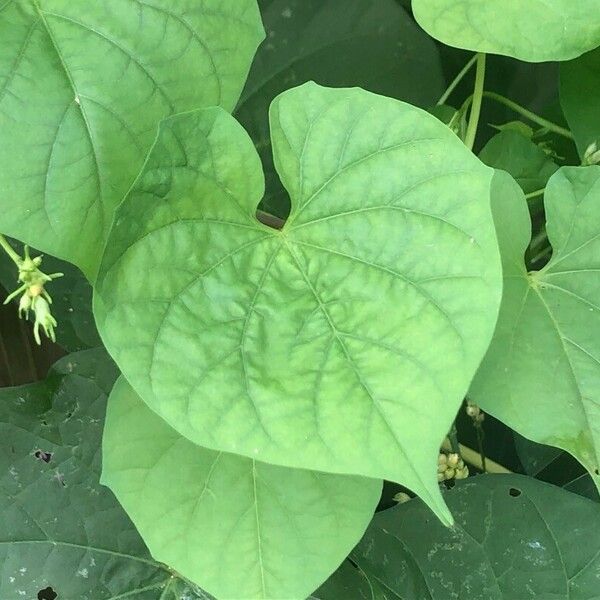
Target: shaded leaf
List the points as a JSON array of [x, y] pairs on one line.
[[238, 527], [512, 152], [515, 537], [338, 43], [580, 98], [530, 30], [292, 363], [82, 89], [60, 528], [541, 375]]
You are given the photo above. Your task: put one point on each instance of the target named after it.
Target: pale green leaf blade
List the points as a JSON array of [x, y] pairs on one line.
[[580, 98], [530, 30], [338, 43], [60, 528], [82, 89], [541, 375], [292, 361], [237, 527], [515, 537]]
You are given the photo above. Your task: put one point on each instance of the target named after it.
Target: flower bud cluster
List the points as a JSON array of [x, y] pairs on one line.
[[34, 296], [451, 466]]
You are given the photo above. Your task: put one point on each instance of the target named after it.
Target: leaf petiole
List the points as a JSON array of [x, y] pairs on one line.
[[457, 80], [476, 102]]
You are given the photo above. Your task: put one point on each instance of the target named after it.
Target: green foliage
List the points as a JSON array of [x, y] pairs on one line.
[[337, 43], [282, 327], [580, 98], [82, 89], [530, 30], [275, 368], [541, 374], [513, 536], [525, 160], [252, 519], [60, 528]]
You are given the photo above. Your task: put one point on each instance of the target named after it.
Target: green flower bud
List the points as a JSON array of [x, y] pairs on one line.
[[453, 459], [25, 305], [401, 497], [43, 319]]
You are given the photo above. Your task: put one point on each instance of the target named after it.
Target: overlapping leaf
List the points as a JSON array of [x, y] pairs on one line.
[[530, 30], [580, 98], [515, 537], [514, 153], [238, 527], [60, 528], [338, 43], [344, 342], [83, 86], [541, 375]]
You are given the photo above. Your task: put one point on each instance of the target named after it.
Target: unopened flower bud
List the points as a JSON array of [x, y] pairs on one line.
[[442, 459], [35, 290], [453, 459], [473, 410], [43, 319], [401, 497], [449, 473], [25, 305]]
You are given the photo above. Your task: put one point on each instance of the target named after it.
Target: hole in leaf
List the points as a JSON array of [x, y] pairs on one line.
[[43, 455], [47, 594], [514, 492]]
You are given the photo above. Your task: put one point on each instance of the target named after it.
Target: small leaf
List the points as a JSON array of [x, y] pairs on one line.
[[510, 151], [344, 342], [338, 43], [83, 86], [515, 537], [541, 375], [60, 528], [580, 98], [530, 30], [235, 526]]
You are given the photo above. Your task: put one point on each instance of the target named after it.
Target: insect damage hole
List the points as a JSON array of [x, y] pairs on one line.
[[514, 492], [43, 455], [47, 594]]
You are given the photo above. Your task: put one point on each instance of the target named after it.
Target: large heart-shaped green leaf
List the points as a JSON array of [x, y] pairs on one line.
[[515, 538], [83, 86], [338, 43], [531, 30], [235, 526], [344, 342], [541, 375], [60, 528], [580, 98]]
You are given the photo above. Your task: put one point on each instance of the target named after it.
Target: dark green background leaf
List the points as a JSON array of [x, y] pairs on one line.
[[514, 538], [59, 526]]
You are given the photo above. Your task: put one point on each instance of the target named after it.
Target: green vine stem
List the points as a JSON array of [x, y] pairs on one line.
[[535, 194], [476, 101], [444, 97], [531, 116], [9, 250]]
